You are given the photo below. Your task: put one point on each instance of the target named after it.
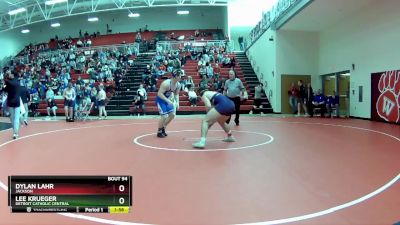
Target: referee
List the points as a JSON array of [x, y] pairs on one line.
[[234, 89]]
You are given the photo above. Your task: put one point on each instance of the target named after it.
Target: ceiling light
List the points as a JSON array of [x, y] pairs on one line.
[[93, 19], [183, 12], [16, 11], [25, 31], [52, 2], [134, 15], [55, 25]]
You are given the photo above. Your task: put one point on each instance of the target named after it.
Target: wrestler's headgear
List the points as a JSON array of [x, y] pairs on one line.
[[177, 72]]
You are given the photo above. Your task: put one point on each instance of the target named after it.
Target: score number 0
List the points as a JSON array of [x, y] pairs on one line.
[[121, 200]]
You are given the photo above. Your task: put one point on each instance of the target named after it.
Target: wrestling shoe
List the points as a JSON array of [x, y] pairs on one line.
[[160, 134], [230, 138], [163, 131], [199, 144]]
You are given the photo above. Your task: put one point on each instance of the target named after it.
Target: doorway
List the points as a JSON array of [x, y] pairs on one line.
[[340, 83]]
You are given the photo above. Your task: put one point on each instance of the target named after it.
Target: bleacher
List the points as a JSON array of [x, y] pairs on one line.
[[190, 69]]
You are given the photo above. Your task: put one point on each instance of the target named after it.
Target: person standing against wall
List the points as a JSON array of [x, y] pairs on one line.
[[12, 87], [309, 99], [293, 95], [302, 100]]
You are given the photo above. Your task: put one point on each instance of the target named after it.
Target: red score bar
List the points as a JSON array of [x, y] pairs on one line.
[[86, 189]]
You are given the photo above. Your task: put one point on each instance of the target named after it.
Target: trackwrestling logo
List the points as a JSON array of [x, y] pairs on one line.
[[388, 103]]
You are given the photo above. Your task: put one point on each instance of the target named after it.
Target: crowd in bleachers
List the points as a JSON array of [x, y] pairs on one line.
[[209, 60], [86, 40], [47, 76]]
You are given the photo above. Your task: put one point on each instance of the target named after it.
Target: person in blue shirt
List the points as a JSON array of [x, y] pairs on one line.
[[319, 102], [333, 103]]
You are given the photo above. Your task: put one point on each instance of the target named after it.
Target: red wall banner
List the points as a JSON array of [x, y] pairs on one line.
[[385, 96]]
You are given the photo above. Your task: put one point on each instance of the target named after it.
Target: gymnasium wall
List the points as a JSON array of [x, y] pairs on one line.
[[290, 53], [296, 54], [12, 42], [369, 39]]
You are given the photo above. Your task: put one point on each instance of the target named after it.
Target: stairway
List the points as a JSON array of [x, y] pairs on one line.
[[119, 104], [252, 80]]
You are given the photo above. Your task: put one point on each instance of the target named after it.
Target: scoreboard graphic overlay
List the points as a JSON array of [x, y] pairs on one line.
[[74, 194]]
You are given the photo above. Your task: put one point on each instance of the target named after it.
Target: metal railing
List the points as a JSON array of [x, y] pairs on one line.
[[88, 51], [122, 48], [198, 44]]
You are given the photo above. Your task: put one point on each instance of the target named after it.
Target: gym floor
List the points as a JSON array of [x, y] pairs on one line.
[[281, 169]]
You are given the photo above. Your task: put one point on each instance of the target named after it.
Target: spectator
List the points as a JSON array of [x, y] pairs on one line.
[[172, 36], [51, 105], [333, 103], [79, 97], [293, 96], [319, 102], [80, 81], [234, 89], [217, 70], [226, 61], [35, 100], [101, 102], [218, 84], [69, 102], [139, 102], [142, 92], [201, 63], [147, 71], [192, 96], [257, 98], [309, 99], [204, 84], [209, 71], [138, 37], [194, 54], [302, 100], [189, 81], [150, 83], [79, 43], [233, 62], [240, 40], [202, 71]]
